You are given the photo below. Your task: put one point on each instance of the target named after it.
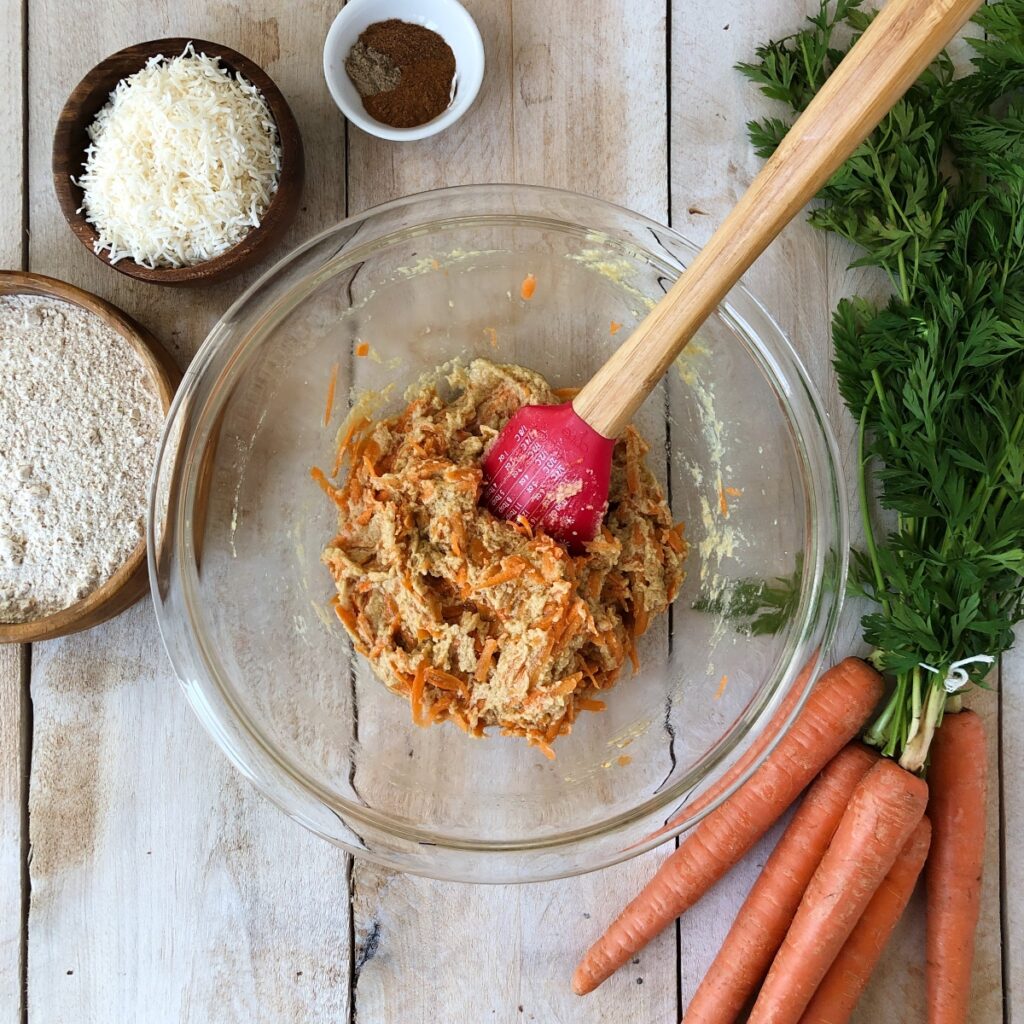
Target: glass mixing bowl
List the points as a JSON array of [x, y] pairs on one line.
[[237, 526]]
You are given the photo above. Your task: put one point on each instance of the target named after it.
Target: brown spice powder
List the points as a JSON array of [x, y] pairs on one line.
[[371, 72], [425, 67]]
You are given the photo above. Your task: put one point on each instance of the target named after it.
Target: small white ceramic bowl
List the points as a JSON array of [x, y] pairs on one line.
[[448, 18]]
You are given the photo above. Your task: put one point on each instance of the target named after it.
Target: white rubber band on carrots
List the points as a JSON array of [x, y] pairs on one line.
[[957, 677]]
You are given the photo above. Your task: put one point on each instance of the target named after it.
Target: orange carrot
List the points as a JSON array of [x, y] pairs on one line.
[[768, 911], [445, 680], [528, 287], [882, 813], [957, 777], [483, 665], [416, 695], [850, 972], [514, 567], [331, 386], [363, 349], [836, 709]]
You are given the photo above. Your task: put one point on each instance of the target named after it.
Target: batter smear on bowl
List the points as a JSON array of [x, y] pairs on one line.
[[475, 619]]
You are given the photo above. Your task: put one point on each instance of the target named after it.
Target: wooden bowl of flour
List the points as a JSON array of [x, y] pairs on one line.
[[130, 581]]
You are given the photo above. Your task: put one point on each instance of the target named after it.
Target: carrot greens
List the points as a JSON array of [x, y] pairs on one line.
[[934, 198]]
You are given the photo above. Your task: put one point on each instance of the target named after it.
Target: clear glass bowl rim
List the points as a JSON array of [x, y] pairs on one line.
[[817, 606]]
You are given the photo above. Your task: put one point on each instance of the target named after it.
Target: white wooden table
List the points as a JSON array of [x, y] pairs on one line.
[[141, 879]]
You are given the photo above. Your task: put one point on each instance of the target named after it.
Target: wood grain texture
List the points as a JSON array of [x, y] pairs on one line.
[[163, 887], [1011, 768], [13, 709], [12, 70], [71, 139], [551, 111], [14, 703]]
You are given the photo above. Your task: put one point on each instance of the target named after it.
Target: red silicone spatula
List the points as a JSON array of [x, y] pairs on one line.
[[552, 463]]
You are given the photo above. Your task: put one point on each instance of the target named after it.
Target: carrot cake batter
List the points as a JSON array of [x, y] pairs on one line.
[[471, 618]]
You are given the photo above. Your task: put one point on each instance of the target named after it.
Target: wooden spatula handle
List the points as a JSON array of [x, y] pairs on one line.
[[896, 48]]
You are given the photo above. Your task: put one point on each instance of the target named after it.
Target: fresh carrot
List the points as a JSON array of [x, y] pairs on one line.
[[850, 972], [957, 777], [836, 709], [768, 911], [882, 813]]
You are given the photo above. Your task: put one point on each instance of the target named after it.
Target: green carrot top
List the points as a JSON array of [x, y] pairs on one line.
[[935, 378]]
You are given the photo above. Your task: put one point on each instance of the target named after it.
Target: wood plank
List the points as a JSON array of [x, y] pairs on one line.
[[431, 951], [712, 163], [14, 706], [14, 670], [548, 114], [800, 279], [163, 886], [1011, 764], [12, 71]]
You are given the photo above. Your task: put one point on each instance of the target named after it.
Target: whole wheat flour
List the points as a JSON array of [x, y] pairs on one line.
[[79, 425]]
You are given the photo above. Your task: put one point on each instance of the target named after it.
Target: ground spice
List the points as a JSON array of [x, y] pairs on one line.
[[403, 72]]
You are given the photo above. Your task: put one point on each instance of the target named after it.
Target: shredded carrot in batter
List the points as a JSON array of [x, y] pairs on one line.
[[483, 666], [331, 385], [472, 619], [528, 287], [416, 694]]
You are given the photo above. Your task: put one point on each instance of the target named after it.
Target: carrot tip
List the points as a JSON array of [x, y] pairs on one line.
[[581, 984]]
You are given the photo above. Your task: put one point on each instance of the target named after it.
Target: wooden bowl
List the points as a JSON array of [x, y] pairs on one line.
[[131, 581], [91, 95]]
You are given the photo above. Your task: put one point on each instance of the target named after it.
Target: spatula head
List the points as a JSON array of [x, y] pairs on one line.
[[553, 468]]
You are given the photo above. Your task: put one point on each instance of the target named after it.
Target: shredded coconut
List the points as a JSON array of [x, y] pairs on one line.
[[79, 425], [183, 162]]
